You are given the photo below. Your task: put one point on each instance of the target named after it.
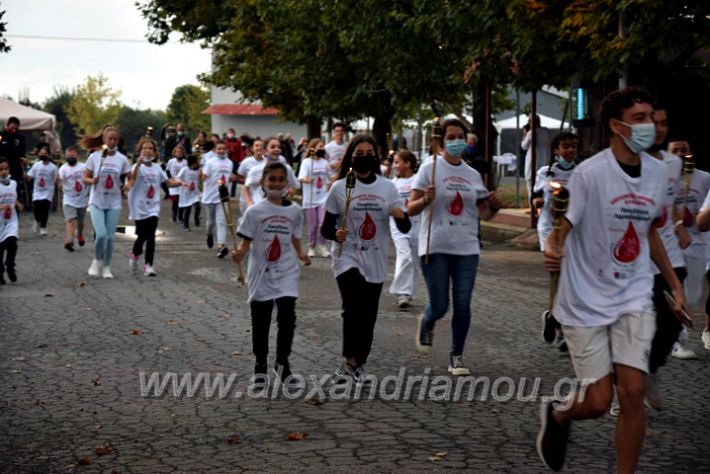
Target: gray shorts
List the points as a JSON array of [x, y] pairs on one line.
[[71, 212], [595, 350]]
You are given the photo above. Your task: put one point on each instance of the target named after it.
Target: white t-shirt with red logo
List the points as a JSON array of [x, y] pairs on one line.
[[334, 151], [690, 207], [8, 217], [273, 269], [191, 194], [173, 167], [607, 270], [215, 169], [454, 229], [546, 177], [106, 194], [368, 223], [75, 192], [43, 179], [404, 188], [144, 196], [315, 193], [665, 225], [253, 179]]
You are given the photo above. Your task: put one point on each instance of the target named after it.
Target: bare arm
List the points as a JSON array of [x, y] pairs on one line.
[[299, 250], [660, 258]]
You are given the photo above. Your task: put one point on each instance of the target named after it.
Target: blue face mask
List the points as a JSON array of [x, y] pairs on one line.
[[564, 164], [642, 136], [455, 147]]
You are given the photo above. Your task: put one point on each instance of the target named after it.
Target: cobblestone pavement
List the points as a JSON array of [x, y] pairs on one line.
[[72, 350]]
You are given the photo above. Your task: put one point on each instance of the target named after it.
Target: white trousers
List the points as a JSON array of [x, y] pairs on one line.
[[695, 281], [216, 218], [406, 268]]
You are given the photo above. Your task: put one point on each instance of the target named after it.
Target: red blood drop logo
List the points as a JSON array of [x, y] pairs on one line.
[[629, 247], [664, 217], [273, 253], [42, 182], [151, 192], [8, 213], [223, 180], [192, 186], [368, 228], [688, 217], [456, 206], [108, 184], [319, 182], [77, 186]]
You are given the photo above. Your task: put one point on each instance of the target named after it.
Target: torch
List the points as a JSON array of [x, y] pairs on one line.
[[349, 187], [688, 169], [560, 203], [435, 136], [227, 209]]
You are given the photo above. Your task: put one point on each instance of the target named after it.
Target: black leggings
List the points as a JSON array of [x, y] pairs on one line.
[[8, 251], [145, 230], [186, 215], [361, 301], [261, 322], [41, 211], [667, 325], [177, 211]]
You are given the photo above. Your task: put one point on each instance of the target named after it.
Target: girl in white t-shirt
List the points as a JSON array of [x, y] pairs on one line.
[[9, 207], [190, 193], [144, 182], [361, 267], [44, 176], [105, 168], [458, 199], [243, 171], [405, 272], [314, 176], [75, 197], [172, 169], [272, 229], [252, 183]]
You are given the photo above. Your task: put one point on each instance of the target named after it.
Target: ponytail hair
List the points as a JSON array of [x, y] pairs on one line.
[[92, 142]]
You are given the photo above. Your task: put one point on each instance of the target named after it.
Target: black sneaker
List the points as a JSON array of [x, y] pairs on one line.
[[210, 241], [197, 222], [2, 279], [260, 369], [223, 252], [11, 275], [424, 337], [549, 326], [283, 372], [563, 347], [344, 375], [552, 439], [69, 246]]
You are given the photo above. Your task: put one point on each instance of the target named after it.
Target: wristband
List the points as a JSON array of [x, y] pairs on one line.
[[677, 223]]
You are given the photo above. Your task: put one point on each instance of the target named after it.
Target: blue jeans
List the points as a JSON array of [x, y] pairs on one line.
[[461, 271], [104, 222]]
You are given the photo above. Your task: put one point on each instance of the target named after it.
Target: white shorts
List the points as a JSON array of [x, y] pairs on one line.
[[595, 350], [71, 212]]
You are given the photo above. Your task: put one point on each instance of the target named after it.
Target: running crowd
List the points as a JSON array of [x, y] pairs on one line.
[[627, 248]]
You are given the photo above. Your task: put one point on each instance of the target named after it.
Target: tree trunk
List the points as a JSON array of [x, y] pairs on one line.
[[380, 128], [313, 126]]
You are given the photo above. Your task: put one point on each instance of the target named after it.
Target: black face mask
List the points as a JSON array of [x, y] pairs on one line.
[[363, 164], [71, 161], [44, 157], [320, 153]]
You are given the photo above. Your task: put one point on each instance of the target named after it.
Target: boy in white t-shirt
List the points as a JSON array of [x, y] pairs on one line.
[[75, 197], [604, 301], [335, 149], [44, 176]]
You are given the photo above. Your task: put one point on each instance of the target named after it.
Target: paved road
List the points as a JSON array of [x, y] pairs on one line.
[[72, 351]]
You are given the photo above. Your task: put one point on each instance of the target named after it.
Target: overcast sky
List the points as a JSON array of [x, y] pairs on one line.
[[146, 74]]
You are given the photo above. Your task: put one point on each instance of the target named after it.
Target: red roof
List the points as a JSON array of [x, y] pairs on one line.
[[239, 109]]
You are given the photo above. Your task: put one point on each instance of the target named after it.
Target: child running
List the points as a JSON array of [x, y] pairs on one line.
[[144, 181], [172, 168], [44, 176], [9, 206], [405, 278], [313, 174], [75, 197], [216, 170], [190, 193], [272, 228]]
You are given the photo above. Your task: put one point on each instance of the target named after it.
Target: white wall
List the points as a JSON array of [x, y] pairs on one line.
[[257, 125]]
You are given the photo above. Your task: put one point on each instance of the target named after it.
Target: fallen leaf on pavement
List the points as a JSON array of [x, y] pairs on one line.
[[81, 284], [103, 450], [19, 359], [442, 454], [236, 353], [434, 458], [136, 332], [296, 436], [41, 346], [96, 381], [495, 411], [234, 439], [314, 401], [172, 322], [48, 295], [85, 461]]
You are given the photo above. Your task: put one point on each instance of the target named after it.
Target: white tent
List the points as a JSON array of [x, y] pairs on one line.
[[545, 121], [30, 119]]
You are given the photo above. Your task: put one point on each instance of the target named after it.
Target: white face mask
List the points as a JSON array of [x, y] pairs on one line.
[[275, 193], [642, 136], [5, 179], [147, 159]]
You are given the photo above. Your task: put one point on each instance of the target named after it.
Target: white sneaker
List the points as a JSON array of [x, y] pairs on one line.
[[456, 366], [42, 231], [149, 271], [323, 250], [311, 252], [403, 302], [680, 352], [106, 274], [35, 227], [133, 262], [95, 268], [706, 339]]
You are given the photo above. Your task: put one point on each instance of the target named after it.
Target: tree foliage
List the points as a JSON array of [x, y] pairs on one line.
[[133, 124], [186, 106], [4, 47], [57, 105], [94, 105]]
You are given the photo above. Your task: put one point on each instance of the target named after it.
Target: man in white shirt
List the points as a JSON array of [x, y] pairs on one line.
[[335, 149], [542, 150], [604, 302]]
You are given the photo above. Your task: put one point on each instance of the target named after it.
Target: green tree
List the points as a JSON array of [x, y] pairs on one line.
[[134, 123], [57, 105], [4, 47], [94, 104], [186, 106]]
